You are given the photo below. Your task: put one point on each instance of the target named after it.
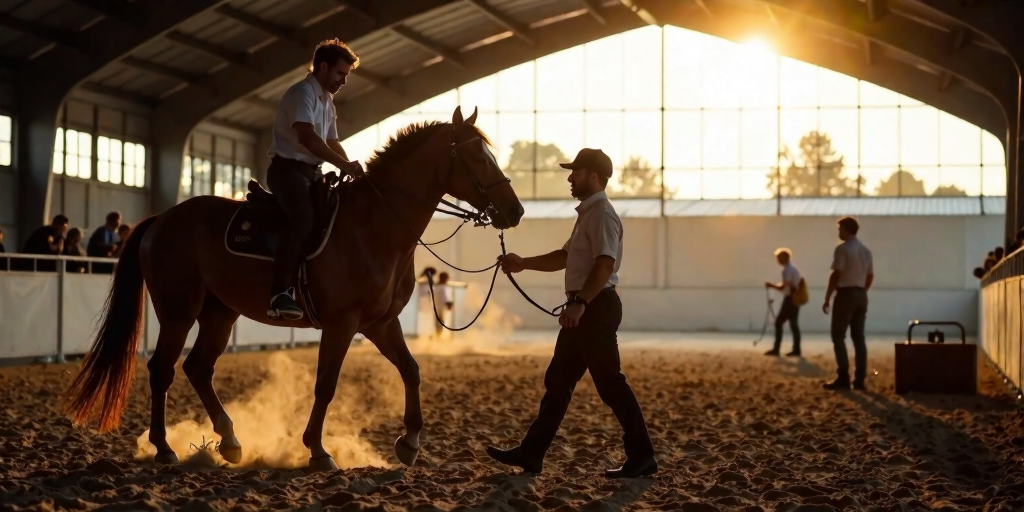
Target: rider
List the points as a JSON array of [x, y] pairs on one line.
[[304, 137]]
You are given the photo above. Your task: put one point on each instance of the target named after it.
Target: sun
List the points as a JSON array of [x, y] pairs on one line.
[[758, 46]]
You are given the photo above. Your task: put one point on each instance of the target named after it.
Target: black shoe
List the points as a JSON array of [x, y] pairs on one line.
[[515, 457], [859, 385], [634, 469], [837, 385], [283, 306], [795, 353], [772, 352]]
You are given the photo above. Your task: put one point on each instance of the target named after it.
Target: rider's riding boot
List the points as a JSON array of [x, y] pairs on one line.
[[283, 306]]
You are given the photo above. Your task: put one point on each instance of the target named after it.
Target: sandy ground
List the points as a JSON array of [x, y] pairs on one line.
[[734, 430]]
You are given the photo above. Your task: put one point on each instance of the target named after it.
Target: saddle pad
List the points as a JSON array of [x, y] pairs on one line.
[[246, 237]]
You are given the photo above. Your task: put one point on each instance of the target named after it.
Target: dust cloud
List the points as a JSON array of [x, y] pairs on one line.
[[269, 423]]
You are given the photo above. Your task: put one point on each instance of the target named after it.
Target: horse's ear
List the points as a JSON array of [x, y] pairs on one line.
[[472, 119], [457, 117]]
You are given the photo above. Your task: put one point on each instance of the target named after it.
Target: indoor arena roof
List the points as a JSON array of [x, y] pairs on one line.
[[229, 61]]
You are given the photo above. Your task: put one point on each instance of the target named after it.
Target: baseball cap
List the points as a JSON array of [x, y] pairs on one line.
[[593, 160]]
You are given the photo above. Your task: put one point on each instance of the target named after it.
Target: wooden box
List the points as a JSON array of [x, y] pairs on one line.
[[937, 367]]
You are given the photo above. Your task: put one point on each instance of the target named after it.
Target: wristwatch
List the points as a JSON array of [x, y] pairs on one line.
[[577, 299]]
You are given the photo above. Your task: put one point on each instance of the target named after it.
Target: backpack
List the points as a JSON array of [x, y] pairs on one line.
[[800, 295]]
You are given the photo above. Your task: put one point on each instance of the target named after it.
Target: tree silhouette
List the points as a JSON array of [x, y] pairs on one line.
[[949, 191], [817, 172], [639, 179], [901, 183]]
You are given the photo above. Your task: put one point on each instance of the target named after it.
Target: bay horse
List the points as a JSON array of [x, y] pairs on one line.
[[361, 280]]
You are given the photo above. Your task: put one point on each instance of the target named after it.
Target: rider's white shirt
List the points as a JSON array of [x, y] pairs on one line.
[[303, 102]]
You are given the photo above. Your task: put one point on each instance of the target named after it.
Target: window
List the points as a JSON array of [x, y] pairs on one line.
[[222, 182], [201, 170], [120, 162], [134, 164], [6, 140], [242, 175], [72, 153]]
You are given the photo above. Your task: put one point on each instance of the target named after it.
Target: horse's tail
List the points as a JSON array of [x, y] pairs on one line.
[[108, 371]]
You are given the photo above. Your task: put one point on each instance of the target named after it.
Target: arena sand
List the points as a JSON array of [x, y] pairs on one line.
[[734, 430]]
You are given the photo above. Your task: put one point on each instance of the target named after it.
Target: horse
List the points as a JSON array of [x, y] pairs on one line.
[[363, 278]]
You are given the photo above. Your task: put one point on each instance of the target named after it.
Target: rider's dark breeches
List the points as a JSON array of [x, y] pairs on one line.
[[289, 181]]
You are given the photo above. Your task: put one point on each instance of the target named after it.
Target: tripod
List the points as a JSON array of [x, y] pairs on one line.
[[769, 315]]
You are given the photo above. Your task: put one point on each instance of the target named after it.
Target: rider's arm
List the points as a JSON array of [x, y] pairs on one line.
[[335, 146], [311, 141], [550, 262], [332, 134]]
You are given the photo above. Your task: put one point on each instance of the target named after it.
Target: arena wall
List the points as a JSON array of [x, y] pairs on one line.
[[707, 273]]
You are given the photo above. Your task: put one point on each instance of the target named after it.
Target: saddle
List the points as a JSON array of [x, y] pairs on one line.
[[256, 227]]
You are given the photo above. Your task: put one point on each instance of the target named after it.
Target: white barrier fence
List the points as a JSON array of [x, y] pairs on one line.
[[48, 311]]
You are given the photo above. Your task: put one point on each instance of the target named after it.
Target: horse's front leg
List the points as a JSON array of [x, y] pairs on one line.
[[390, 340], [334, 344]]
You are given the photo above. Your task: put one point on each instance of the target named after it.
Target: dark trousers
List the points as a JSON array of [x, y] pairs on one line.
[[849, 310], [789, 312], [289, 181], [591, 345]]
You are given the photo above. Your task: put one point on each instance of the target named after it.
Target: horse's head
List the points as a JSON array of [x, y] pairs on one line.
[[474, 175]]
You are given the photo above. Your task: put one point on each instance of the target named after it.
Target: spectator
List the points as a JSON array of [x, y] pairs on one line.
[[446, 296], [47, 240], [122, 235], [990, 261], [979, 272], [2, 250], [73, 247], [103, 243], [3, 261], [998, 253]]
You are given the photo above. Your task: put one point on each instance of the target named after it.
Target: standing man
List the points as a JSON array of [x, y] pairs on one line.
[[305, 135], [852, 275], [587, 341], [790, 311], [103, 243]]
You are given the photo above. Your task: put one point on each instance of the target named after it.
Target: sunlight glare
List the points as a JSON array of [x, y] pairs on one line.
[[758, 46]]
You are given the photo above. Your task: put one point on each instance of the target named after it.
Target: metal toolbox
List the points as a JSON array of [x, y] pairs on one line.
[[936, 367]]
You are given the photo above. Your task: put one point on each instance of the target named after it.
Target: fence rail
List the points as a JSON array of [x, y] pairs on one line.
[[49, 307], [1001, 318]]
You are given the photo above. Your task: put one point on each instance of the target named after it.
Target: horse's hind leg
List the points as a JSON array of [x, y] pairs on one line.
[[174, 326], [390, 341], [215, 322]]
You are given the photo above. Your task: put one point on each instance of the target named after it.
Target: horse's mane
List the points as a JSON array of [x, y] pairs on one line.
[[407, 140]]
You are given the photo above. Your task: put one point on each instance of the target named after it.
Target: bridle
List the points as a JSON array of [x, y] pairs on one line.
[[480, 218]]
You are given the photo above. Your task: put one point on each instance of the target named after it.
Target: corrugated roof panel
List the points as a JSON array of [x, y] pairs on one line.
[[456, 25], [719, 208], [288, 13], [231, 34], [21, 46], [995, 205], [180, 58], [530, 11], [250, 116], [149, 85], [34, 10], [931, 206], [69, 16]]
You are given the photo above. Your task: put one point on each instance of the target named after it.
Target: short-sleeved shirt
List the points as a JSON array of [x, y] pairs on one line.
[[598, 232], [303, 102], [445, 293], [791, 276], [854, 262]]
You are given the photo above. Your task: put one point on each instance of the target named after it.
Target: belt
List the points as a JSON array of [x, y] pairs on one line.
[[292, 161], [571, 293]]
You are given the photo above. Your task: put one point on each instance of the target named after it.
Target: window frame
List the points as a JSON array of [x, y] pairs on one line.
[[14, 138]]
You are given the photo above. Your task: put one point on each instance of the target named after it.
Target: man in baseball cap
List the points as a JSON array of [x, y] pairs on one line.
[[589, 323]]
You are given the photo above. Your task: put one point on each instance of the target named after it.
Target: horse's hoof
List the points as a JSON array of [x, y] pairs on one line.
[[406, 454], [166, 458], [232, 454], [322, 463]]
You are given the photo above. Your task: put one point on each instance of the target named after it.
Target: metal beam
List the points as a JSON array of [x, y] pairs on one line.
[[870, 49], [260, 102], [988, 70], [392, 84], [946, 80], [504, 20], [594, 10], [118, 9], [160, 69], [208, 48], [118, 93], [74, 40], [258, 23], [233, 125], [877, 9], [959, 38], [638, 9], [418, 39], [704, 7]]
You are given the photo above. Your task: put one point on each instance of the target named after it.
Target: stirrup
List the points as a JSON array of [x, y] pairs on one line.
[[288, 313]]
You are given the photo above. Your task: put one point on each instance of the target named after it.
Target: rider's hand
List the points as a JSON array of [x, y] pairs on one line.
[[355, 170], [511, 263]]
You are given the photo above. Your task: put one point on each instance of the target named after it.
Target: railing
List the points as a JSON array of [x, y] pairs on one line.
[[49, 310], [1001, 319]]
